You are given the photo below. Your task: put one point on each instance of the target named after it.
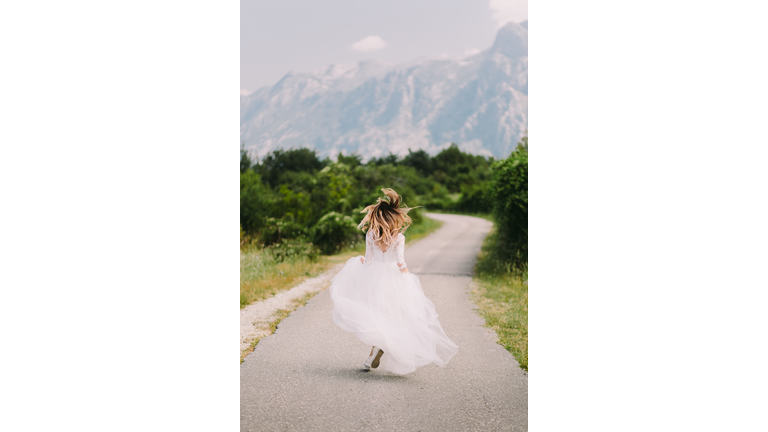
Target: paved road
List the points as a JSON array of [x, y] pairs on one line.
[[307, 376]]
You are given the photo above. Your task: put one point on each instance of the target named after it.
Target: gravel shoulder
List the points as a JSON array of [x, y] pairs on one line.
[[255, 319]]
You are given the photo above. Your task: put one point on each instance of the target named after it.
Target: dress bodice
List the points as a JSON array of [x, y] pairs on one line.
[[388, 256], [394, 254]]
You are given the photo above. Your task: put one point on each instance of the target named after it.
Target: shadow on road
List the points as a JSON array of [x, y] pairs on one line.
[[356, 375]]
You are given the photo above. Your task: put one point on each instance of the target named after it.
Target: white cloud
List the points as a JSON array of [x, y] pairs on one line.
[[371, 43], [471, 52], [244, 92], [505, 11]]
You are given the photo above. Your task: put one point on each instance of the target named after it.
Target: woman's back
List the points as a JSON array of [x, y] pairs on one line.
[[393, 253]]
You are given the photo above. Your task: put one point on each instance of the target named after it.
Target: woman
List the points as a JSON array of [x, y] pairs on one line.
[[377, 299]]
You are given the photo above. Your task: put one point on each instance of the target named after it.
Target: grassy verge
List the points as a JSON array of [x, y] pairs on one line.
[[262, 275], [501, 294]]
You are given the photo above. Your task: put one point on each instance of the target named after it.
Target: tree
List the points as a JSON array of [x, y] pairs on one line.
[[509, 193], [335, 188], [391, 159], [420, 160], [352, 160], [256, 202], [523, 144], [281, 161], [334, 231], [245, 160]]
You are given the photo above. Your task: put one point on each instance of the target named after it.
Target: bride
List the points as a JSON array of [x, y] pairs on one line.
[[378, 300]]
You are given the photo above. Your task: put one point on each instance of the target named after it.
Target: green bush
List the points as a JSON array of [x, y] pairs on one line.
[[335, 183], [416, 216], [334, 231], [277, 230], [286, 193], [287, 249], [509, 194], [245, 239], [277, 163], [474, 199], [434, 204], [256, 201]]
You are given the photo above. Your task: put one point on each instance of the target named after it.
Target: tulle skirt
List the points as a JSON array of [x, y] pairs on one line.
[[388, 309]]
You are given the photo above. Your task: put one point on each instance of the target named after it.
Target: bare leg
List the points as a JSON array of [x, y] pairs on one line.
[[371, 351]]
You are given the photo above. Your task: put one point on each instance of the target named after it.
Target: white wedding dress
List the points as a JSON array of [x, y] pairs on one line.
[[386, 308]]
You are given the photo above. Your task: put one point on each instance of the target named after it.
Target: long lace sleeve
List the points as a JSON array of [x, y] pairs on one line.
[[400, 251], [368, 247]]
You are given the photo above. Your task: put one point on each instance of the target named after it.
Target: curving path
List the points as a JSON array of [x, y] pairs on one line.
[[307, 376]]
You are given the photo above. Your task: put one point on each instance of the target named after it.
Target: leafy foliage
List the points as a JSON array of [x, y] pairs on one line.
[[475, 199], [256, 202], [245, 160], [509, 192], [277, 230], [352, 160], [281, 161], [288, 249], [286, 194], [334, 231], [245, 239]]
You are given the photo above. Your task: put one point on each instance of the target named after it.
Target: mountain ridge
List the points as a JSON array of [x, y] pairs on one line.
[[373, 108]]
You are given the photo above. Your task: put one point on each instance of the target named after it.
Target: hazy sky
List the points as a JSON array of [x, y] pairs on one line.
[[277, 36]]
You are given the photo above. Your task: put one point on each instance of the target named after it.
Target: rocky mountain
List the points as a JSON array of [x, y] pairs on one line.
[[372, 108]]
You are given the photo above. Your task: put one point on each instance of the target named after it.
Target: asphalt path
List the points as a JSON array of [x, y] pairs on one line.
[[308, 375]]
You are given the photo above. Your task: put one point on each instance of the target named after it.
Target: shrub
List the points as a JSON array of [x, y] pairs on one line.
[[279, 162], [255, 202], [475, 199], [509, 194], [334, 231], [416, 216], [434, 204], [245, 239], [287, 249], [335, 189], [277, 230], [296, 187]]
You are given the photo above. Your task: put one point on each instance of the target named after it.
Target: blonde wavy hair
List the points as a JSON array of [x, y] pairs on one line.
[[386, 218]]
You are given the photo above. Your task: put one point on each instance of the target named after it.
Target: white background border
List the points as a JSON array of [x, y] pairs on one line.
[[119, 262], [120, 267]]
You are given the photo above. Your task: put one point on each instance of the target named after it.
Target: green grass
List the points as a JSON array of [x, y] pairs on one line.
[[501, 294], [262, 276]]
